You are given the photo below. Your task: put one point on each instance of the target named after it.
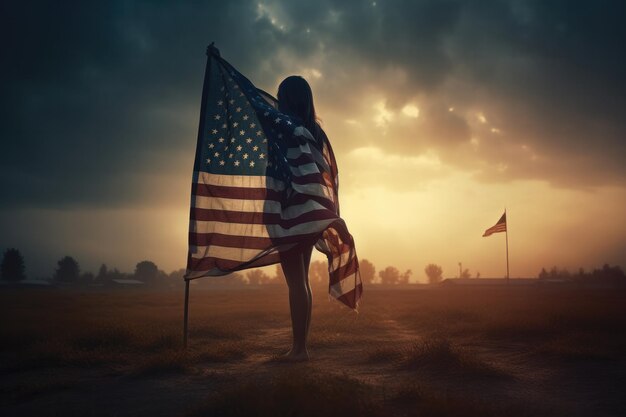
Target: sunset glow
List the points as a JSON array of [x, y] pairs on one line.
[[432, 144]]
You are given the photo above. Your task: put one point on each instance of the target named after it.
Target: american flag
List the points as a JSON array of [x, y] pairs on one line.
[[262, 185], [498, 227]]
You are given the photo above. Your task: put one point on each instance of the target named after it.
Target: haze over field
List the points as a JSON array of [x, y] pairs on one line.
[[441, 113]]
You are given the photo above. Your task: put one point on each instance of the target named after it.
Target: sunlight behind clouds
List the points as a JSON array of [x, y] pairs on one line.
[[383, 115], [411, 111]]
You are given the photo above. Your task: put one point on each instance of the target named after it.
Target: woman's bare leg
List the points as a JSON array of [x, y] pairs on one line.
[[307, 263], [293, 265]]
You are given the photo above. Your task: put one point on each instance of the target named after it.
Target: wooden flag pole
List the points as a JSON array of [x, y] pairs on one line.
[[506, 234], [186, 314]]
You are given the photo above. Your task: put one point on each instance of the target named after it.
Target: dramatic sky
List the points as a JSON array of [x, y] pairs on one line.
[[442, 113]]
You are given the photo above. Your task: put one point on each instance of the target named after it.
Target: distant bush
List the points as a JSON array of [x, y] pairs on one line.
[[67, 270], [605, 275], [12, 268], [434, 273]]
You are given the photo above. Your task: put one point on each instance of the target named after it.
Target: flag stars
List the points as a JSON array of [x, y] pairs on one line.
[[265, 140], [245, 156], [208, 161], [220, 103], [262, 156], [224, 126], [252, 125], [214, 131], [235, 124], [245, 117], [242, 132], [255, 148], [258, 133], [232, 140], [216, 154], [251, 163], [277, 120], [248, 140], [230, 156], [232, 101], [222, 162], [217, 117], [238, 109], [236, 163], [239, 148], [211, 146], [221, 140], [289, 122]]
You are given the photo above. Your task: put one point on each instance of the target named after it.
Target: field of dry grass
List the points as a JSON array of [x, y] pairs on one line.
[[428, 352]]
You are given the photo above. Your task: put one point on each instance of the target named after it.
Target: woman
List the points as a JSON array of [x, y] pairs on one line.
[[264, 191], [295, 99]]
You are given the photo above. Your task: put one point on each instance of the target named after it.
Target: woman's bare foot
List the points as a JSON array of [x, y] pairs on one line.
[[295, 356]]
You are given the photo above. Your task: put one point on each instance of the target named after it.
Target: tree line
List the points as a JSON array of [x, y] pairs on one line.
[[68, 272], [607, 274]]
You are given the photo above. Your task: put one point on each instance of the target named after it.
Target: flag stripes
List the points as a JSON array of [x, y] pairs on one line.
[[262, 187], [498, 227]]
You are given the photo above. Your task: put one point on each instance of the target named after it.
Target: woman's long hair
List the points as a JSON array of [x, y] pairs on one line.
[[295, 98]]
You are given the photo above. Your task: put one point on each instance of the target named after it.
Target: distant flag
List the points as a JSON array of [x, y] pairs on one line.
[[262, 186], [498, 227]]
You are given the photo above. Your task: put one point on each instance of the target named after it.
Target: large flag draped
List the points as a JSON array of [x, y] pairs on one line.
[[498, 227], [262, 187]]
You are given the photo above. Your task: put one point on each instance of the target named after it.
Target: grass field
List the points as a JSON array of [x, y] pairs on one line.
[[430, 352]]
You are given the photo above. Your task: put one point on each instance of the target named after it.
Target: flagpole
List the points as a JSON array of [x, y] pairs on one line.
[[186, 314], [506, 234], [210, 51]]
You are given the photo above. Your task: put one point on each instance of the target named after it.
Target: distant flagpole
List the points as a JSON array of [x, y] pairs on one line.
[[501, 226], [507, 248]]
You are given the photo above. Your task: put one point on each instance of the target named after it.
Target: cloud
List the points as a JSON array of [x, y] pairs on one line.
[[102, 103]]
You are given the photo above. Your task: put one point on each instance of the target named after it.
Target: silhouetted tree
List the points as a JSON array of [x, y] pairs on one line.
[[12, 267], [466, 273], [257, 277], [318, 273], [389, 276], [175, 278], [280, 275], [147, 271], [103, 274], [368, 271], [177, 275], [87, 277], [116, 274], [231, 280], [404, 278], [605, 275], [554, 272], [434, 273], [609, 274], [67, 270]]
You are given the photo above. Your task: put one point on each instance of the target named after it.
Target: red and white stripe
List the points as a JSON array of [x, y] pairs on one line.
[[240, 221]]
